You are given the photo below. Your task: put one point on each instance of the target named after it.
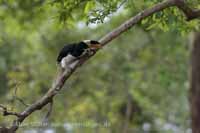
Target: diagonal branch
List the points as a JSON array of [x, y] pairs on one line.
[[63, 76], [134, 20]]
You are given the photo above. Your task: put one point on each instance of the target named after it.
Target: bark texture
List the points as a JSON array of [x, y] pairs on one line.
[[195, 84]]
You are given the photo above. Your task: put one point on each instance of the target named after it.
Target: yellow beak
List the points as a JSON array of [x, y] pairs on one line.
[[96, 46]]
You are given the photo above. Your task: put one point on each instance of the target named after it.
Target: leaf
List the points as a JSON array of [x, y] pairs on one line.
[[89, 6], [144, 21], [151, 26]]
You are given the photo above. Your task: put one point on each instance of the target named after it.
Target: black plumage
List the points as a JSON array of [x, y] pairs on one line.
[[75, 49]]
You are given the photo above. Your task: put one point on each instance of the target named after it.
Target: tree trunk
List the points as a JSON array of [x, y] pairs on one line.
[[195, 84], [5, 130]]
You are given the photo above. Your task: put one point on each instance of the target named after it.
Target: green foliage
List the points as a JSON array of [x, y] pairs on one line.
[[86, 10]]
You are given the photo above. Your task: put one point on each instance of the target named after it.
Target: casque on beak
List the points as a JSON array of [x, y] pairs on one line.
[[92, 44]]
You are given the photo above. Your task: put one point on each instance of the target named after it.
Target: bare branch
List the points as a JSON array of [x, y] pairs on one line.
[[17, 98], [22, 101], [46, 117], [6, 112]]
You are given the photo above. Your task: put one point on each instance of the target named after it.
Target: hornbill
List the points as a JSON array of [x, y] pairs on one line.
[[70, 54]]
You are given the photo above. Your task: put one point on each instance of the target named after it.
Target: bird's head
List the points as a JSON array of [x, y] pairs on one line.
[[92, 44]]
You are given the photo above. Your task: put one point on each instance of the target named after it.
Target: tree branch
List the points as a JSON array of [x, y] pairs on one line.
[[46, 117], [63, 76], [134, 20], [18, 98], [6, 112], [189, 13]]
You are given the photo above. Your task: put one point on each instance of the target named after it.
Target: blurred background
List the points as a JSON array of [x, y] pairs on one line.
[[138, 83]]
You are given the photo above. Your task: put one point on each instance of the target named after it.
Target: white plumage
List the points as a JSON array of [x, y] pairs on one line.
[[69, 61]]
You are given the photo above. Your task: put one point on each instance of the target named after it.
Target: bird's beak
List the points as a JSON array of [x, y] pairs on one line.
[[96, 46]]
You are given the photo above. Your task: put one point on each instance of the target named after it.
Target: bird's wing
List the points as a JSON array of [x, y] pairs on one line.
[[67, 49]]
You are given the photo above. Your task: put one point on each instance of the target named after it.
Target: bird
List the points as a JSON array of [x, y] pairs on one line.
[[70, 54]]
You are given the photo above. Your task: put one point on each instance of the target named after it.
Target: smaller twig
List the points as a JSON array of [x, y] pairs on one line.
[[121, 4], [22, 101], [46, 117], [6, 112], [17, 98]]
